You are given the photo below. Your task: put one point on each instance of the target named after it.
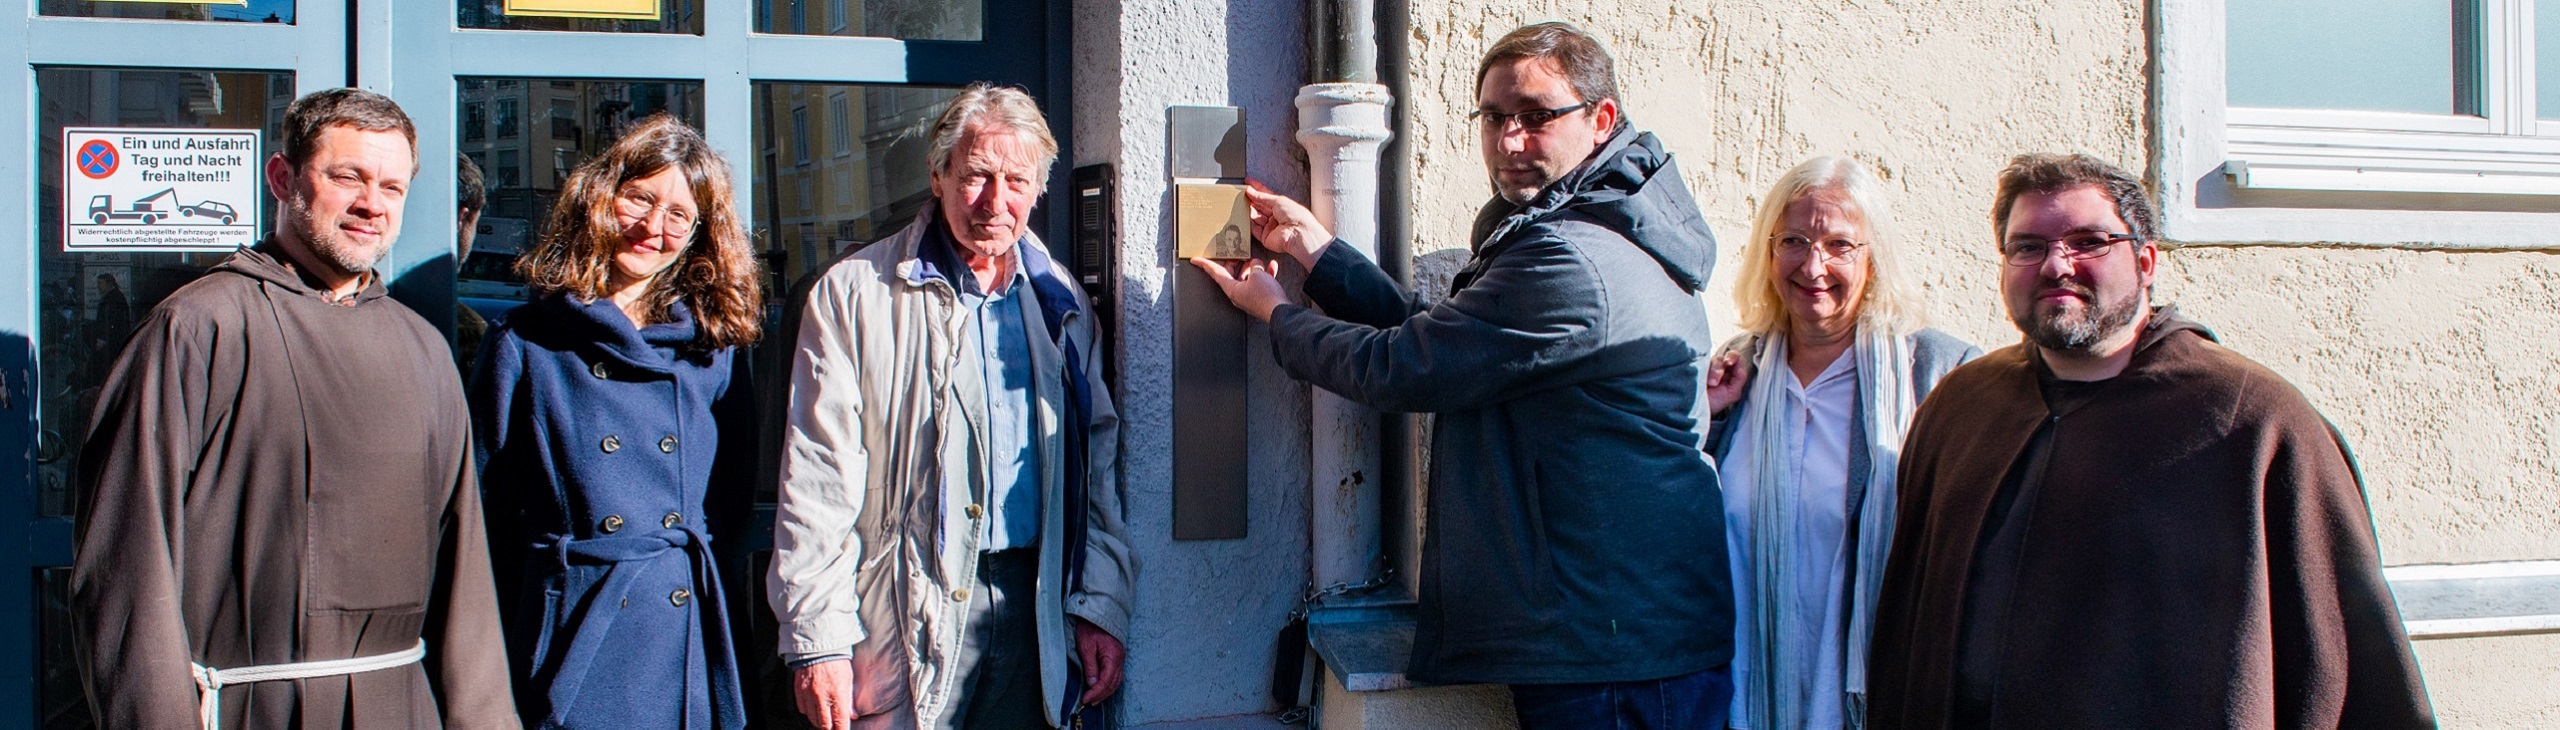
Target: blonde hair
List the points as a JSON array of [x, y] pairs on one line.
[[1891, 301]]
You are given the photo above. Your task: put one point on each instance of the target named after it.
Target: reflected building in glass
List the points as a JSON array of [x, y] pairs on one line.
[[838, 165]]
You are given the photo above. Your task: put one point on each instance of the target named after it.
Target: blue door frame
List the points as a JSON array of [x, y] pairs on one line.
[[1024, 43]]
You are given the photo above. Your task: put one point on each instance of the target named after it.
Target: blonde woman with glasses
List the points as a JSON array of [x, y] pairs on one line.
[[1812, 401]]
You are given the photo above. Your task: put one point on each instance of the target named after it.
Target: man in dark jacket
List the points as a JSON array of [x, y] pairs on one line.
[[2120, 523], [1575, 547]]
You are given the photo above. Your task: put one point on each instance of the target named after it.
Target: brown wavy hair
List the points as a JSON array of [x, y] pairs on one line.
[[719, 276]]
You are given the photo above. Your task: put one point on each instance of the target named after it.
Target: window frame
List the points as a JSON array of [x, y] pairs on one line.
[[840, 122], [506, 114], [2284, 176], [800, 153]]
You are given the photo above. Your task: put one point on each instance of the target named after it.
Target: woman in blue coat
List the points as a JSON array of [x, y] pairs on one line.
[[615, 442]]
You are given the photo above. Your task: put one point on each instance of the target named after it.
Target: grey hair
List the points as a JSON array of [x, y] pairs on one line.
[[1892, 299], [982, 103]]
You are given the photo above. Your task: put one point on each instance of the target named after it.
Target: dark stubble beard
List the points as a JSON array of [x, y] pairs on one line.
[[325, 242], [2067, 330]]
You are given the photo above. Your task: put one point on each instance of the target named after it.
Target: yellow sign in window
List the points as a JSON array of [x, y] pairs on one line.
[[611, 9]]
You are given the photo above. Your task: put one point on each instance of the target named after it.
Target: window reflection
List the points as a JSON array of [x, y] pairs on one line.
[[61, 704], [252, 11], [89, 301], [839, 165], [920, 20]]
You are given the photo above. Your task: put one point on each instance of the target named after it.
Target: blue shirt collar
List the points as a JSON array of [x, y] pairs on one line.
[[938, 254]]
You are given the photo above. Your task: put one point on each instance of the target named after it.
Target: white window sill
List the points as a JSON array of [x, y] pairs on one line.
[[2268, 150]]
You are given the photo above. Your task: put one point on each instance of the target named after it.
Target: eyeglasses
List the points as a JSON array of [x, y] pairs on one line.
[[2078, 247], [637, 206], [1530, 121], [1794, 249]]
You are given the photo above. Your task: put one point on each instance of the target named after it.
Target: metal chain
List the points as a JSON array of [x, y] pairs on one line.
[[1316, 596]]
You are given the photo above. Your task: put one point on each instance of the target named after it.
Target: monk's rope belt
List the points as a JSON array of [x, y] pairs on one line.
[[210, 681]]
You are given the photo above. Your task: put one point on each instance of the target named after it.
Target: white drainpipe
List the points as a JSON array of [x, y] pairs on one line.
[[1343, 126]]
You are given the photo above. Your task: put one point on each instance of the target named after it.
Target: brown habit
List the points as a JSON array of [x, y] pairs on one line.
[[2197, 554], [273, 478]]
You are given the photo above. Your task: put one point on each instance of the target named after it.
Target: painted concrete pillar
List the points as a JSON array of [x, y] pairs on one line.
[[1343, 126]]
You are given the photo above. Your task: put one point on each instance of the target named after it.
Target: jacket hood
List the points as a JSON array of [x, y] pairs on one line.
[[2165, 321], [653, 348], [267, 263], [1631, 186]]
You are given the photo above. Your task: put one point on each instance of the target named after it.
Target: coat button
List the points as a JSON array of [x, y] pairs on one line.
[[667, 445], [612, 524], [680, 596], [599, 370], [671, 521], [976, 511], [960, 595], [611, 444]]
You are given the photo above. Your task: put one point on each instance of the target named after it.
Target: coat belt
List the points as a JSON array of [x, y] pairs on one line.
[[624, 553], [210, 681]]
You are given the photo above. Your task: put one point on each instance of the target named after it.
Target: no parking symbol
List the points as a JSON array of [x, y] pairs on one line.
[[127, 189], [98, 159]]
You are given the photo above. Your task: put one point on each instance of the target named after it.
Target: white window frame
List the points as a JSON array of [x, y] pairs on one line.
[[2280, 176], [800, 152], [840, 122]]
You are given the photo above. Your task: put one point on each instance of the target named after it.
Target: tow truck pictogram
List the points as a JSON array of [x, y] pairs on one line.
[[102, 209]]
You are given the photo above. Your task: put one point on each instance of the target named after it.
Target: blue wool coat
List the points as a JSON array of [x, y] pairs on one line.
[[607, 477]]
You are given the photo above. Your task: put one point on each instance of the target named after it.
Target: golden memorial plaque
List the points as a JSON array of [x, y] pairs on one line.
[[1211, 220]]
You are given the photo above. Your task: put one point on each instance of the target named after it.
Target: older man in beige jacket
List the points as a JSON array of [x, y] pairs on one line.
[[950, 550]]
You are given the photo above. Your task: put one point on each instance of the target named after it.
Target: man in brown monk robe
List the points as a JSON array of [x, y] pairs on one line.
[[279, 474], [2121, 523]]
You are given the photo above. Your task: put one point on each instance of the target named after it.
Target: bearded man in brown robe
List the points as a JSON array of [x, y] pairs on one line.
[[279, 474], [2121, 523]]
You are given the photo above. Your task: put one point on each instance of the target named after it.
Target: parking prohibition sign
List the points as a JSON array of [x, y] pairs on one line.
[[98, 159], [159, 189]]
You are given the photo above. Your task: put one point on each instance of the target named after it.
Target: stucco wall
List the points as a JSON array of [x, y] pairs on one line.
[[2439, 366], [1208, 611]]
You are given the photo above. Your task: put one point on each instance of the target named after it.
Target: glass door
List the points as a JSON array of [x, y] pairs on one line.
[[77, 286], [818, 104]]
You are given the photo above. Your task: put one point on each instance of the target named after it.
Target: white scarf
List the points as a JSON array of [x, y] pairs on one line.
[[1885, 397]]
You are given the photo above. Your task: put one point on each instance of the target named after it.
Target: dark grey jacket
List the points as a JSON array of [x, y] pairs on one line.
[[1575, 530]]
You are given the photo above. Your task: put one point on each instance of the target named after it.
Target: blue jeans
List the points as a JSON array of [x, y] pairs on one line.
[[1694, 700]]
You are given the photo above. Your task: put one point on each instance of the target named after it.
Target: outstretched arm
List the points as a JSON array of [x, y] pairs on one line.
[[1534, 310]]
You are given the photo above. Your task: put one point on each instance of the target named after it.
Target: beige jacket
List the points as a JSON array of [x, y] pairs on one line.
[[867, 554]]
